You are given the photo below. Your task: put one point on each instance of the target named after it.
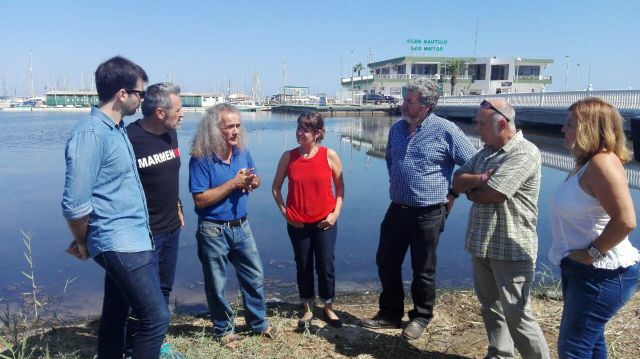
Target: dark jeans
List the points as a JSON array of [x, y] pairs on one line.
[[165, 256], [134, 278], [310, 244], [591, 298], [419, 229]]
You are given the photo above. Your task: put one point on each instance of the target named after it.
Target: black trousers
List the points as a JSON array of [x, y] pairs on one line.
[[403, 228], [312, 245]]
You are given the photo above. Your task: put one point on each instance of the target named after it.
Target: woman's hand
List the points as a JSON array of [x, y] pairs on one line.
[[295, 224], [291, 222], [581, 256], [328, 222]]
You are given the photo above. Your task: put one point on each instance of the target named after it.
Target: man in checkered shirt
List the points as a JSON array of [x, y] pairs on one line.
[[502, 180], [421, 154]]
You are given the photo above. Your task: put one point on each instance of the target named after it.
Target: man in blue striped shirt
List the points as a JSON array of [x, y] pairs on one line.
[[422, 152]]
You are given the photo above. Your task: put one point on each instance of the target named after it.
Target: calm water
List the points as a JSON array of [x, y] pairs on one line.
[[32, 177]]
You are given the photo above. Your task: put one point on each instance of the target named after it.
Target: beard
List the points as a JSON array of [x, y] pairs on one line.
[[412, 121], [130, 111]]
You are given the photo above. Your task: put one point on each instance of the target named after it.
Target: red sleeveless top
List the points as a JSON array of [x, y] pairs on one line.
[[310, 197]]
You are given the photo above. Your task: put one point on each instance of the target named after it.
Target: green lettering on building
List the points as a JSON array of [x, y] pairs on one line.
[[429, 44]]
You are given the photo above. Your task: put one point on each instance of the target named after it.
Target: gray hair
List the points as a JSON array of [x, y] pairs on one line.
[[508, 111], [157, 96], [208, 139], [427, 91]]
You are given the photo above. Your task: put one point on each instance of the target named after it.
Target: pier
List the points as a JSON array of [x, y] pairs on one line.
[[548, 108]]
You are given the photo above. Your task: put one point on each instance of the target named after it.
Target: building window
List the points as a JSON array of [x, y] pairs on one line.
[[424, 69], [402, 69], [527, 70], [384, 71], [478, 71], [499, 72]]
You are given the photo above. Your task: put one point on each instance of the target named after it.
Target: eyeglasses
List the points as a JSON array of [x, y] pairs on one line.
[[488, 106], [137, 92]]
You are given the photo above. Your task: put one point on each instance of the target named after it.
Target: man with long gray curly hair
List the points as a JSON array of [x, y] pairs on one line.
[[221, 176], [209, 139]]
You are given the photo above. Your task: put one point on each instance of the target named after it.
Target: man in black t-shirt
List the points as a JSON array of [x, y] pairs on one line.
[[155, 144]]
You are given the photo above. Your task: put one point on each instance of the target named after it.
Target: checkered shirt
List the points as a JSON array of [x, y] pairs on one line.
[[420, 166], [506, 230]]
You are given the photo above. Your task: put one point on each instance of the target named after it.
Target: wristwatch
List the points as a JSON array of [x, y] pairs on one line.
[[594, 252]]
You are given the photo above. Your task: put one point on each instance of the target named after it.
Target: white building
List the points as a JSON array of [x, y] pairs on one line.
[[484, 75]]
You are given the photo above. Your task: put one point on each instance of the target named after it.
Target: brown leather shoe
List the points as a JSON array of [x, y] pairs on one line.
[[413, 330], [269, 333], [380, 323]]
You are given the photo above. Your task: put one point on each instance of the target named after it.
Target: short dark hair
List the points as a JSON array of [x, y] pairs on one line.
[[115, 74], [312, 121]]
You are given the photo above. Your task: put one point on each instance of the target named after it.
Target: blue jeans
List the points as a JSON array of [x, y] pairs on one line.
[[218, 245], [165, 256], [309, 243], [403, 228], [591, 298], [134, 278]]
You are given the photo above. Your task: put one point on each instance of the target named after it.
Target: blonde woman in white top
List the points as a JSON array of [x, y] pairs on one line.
[[592, 216]]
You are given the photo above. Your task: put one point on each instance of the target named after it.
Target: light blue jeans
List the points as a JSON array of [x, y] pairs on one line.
[[217, 246], [591, 298]]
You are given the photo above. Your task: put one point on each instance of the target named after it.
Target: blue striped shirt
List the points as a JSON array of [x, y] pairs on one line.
[[420, 166]]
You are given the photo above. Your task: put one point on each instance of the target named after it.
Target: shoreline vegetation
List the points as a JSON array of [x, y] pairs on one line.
[[456, 331]]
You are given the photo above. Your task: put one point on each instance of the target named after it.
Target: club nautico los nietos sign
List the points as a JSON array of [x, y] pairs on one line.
[[427, 45]]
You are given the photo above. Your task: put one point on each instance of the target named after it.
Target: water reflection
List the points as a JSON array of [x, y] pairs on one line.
[[32, 172]]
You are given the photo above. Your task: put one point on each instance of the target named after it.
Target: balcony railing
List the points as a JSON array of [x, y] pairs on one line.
[[622, 99], [532, 77], [402, 77]]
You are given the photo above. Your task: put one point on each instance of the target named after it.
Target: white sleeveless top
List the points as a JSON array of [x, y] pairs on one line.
[[577, 219]]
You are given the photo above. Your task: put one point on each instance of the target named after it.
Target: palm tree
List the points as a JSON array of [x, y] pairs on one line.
[[358, 68], [455, 68]]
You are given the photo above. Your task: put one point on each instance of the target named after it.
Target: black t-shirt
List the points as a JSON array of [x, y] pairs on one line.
[[158, 162]]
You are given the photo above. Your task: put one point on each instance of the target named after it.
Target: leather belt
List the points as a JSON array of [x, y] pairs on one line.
[[232, 223]]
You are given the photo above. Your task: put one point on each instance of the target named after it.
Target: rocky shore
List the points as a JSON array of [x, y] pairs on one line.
[[456, 331]]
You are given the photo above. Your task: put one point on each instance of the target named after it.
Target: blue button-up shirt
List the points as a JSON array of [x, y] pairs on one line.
[[102, 182], [420, 165]]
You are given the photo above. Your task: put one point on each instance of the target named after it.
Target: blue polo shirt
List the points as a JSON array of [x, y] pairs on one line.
[[420, 166], [102, 181], [210, 172]]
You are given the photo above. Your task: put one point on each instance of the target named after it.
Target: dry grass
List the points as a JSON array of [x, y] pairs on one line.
[[455, 332]]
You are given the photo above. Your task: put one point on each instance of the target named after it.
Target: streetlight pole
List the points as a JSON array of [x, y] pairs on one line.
[[566, 74], [577, 76], [515, 76], [352, 77]]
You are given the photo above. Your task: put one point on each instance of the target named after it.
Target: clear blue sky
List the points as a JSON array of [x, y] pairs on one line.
[[204, 44]]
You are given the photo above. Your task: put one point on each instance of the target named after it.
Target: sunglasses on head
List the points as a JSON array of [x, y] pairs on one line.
[[488, 106], [137, 92]]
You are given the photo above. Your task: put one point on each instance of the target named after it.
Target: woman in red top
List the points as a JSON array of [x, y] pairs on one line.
[[311, 212]]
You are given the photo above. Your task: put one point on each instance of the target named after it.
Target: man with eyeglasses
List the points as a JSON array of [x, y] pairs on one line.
[[105, 207], [155, 143], [421, 154], [502, 180]]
